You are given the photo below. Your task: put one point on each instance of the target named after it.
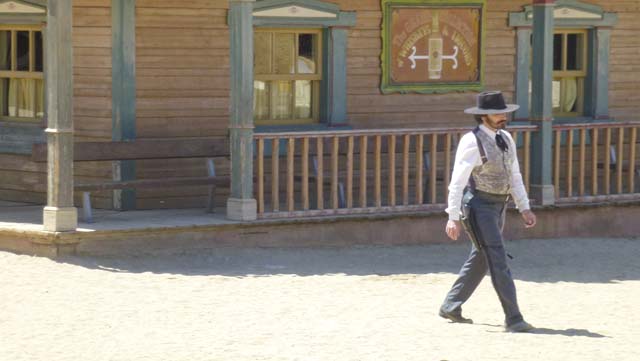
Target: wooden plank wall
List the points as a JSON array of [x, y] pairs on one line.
[[25, 181], [624, 59], [182, 75], [368, 108]]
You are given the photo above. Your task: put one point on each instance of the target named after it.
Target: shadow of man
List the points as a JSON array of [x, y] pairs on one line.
[[568, 332]]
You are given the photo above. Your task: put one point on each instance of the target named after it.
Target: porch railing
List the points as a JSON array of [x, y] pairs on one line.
[[360, 171], [595, 162]]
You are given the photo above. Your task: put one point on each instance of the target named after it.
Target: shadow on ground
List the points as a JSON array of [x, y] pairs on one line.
[[559, 260]]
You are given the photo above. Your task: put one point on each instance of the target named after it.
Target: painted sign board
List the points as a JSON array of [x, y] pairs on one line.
[[432, 46]]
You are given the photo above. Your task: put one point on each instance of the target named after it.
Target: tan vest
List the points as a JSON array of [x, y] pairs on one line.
[[494, 175]]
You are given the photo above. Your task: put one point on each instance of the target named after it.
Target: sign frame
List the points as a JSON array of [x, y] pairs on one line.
[[388, 86]]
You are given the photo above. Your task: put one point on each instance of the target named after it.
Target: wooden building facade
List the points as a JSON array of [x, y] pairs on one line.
[[215, 69]]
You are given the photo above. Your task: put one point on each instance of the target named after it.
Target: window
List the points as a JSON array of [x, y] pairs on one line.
[[21, 73], [569, 72], [287, 75]]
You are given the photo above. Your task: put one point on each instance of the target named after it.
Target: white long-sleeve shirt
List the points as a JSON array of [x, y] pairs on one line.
[[467, 158]]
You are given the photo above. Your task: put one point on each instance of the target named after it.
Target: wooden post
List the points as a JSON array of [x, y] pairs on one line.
[[123, 89], [542, 188], [59, 215], [241, 205]]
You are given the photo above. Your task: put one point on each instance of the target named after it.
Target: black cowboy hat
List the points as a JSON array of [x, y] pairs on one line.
[[491, 102]]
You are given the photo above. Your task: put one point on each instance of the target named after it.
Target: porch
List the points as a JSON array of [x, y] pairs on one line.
[[354, 187]]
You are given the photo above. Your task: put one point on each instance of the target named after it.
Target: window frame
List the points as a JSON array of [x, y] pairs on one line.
[[598, 25], [316, 79], [581, 75], [22, 74]]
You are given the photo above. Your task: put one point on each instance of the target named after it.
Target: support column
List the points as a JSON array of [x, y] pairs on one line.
[[522, 71], [337, 78], [59, 215], [123, 59], [603, 42], [241, 206], [542, 189]]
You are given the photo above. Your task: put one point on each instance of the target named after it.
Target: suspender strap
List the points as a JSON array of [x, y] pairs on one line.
[[483, 155]]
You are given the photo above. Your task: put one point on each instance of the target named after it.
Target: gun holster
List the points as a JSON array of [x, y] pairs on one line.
[[466, 218]]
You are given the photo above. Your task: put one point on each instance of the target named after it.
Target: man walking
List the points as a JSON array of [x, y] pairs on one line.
[[486, 173]]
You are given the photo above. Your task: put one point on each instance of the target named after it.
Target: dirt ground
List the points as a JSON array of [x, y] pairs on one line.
[[334, 304]]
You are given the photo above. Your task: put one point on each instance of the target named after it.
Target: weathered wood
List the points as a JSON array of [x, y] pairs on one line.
[[632, 159], [290, 170], [275, 174], [527, 159], [607, 161], [350, 147], [141, 149], [391, 153], [319, 175], [260, 161], [447, 165], [434, 167], [619, 159], [334, 173], [405, 170], [583, 159], [305, 174], [378, 172], [153, 183], [363, 171], [419, 168], [570, 163], [594, 162]]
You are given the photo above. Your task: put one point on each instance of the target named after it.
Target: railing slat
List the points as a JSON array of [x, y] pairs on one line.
[[527, 160], [556, 163], [363, 171], [334, 173], [305, 174], [350, 147], [290, 170], [275, 173], [583, 160], [619, 159], [405, 169], [419, 168], [434, 168], [392, 171], [447, 165], [320, 173], [594, 162], [260, 176], [378, 172], [570, 163], [632, 159], [607, 161]]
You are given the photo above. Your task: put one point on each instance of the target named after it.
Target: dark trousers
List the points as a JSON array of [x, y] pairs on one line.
[[487, 214]]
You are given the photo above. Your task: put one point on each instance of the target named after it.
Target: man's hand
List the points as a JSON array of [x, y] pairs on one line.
[[453, 229], [529, 218]]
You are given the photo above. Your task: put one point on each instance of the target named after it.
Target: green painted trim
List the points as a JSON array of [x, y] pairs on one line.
[[519, 19], [590, 80], [344, 19], [337, 69], [603, 39], [325, 102], [241, 102], [22, 19], [387, 87], [523, 67], [541, 106], [311, 4], [123, 60]]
